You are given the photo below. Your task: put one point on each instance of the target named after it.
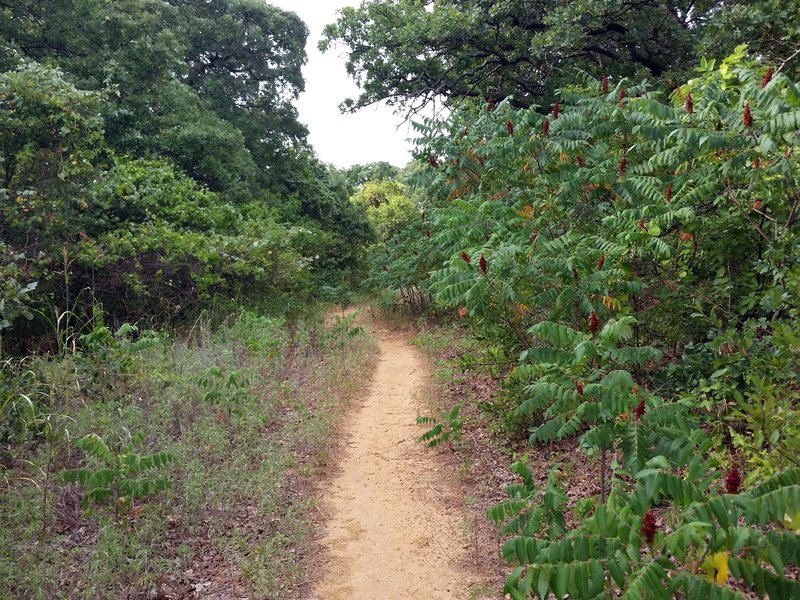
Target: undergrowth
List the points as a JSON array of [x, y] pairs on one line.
[[238, 419]]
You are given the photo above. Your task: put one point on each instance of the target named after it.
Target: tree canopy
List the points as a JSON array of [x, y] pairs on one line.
[[208, 84], [412, 52]]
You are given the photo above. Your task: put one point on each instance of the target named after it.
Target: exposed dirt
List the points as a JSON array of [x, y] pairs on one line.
[[396, 527]]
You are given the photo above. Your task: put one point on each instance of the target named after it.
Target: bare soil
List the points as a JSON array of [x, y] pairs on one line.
[[396, 526]]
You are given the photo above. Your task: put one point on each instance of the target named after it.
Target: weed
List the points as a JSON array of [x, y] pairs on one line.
[[235, 418], [444, 431], [120, 476]]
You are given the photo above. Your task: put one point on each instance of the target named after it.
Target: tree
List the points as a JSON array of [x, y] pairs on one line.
[[52, 137], [771, 29], [413, 52], [333, 230], [136, 235], [358, 175], [409, 52], [207, 84], [245, 57], [130, 43], [210, 149], [387, 205]]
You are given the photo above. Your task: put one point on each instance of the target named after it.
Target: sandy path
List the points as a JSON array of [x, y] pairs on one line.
[[395, 529]]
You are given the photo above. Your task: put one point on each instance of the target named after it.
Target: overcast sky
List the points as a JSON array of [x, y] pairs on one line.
[[371, 134]]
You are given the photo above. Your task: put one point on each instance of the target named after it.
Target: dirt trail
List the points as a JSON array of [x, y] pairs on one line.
[[395, 527]]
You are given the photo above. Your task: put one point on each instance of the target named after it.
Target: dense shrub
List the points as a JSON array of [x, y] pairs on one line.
[[636, 257], [84, 225]]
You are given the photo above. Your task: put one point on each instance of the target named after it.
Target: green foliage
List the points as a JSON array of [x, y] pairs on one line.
[[402, 263], [387, 205], [172, 246], [748, 390], [444, 431], [152, 161], [228, 389], [567, 228], [184, 85], [114, 353], [18, 409], [412, 53], [343, 329], [770, 27], [15, 296], [697, 546], [581, 381], [406, 253], [335, 230], [52, 138], [244, 59], [594, 245], [121, 476], [145, 240], [358, 175], [528, 512]]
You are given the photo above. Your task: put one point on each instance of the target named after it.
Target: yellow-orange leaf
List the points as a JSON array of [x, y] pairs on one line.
[[716, 567], [610, 303], [792, 522]]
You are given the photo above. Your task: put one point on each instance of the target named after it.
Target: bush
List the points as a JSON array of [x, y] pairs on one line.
[[597, 242]]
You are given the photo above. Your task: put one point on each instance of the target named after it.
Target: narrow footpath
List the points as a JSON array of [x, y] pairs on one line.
[[395, 528]]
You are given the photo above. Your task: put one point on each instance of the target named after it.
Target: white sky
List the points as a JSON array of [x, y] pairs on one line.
[[370, 135]]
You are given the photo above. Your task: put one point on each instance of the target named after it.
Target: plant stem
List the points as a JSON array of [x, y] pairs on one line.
[[45, 490], [603, 474]]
